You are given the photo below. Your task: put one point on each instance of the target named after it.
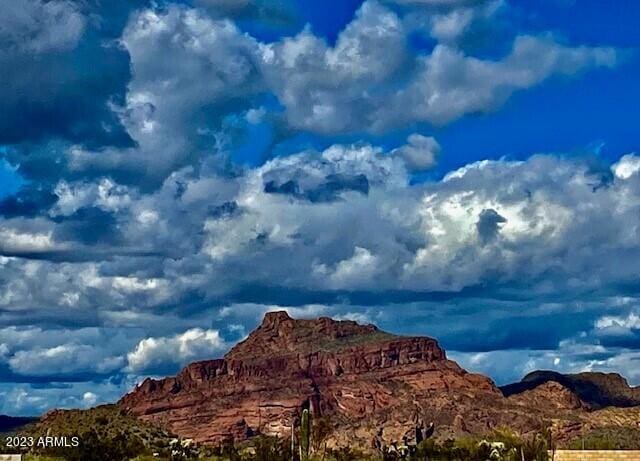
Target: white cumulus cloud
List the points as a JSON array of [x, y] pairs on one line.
[[180, 349]]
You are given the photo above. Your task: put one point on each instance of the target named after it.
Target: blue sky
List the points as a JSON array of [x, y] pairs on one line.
[[170, 171]]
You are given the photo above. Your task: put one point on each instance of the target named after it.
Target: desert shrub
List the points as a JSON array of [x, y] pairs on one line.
[[272, 449], [224, 452], [262, 448], [106, 433], [608, 438], [501, 445], [594, 442], [346, 454], [536, 448], [320, 431], [96, 448]]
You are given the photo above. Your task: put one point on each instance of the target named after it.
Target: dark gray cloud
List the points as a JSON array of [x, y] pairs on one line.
[[488, 225], [61, 68]]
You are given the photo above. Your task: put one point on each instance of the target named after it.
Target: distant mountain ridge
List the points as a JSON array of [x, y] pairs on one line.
[[596, 389], [12, 423]]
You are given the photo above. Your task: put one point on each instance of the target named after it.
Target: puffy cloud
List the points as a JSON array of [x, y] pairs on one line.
[[89, 399], [449, 84], [452, 21], [330, 90], [159, 353], [369, 81], [34, 400], [16, 241], [346, 219], [66, 359], [104, 194], [352, 273], [631, 321], [4, 351], [627, 166], [175, 105], [34, 354], [193, 103], [420, 153], [449, 26], [619, 330]]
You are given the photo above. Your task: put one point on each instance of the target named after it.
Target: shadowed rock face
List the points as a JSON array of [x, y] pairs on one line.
[[337, 368]]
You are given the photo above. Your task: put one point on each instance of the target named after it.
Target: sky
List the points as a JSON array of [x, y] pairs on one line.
[[172, 170]]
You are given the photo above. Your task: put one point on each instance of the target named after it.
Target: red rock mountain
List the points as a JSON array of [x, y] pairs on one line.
[[339, 368], [355, 376]]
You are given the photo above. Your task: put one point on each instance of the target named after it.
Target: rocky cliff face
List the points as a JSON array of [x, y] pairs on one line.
[[355, 373]]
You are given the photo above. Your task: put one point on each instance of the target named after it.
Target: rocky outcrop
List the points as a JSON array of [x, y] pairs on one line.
[[549, 395], [354, 372]]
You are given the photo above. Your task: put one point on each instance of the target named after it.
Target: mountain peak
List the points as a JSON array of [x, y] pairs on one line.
[[280, 334], [275, 318]]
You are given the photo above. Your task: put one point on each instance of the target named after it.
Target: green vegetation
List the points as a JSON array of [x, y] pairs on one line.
[[103, 433], [608, 438], [109, 434], [305, 435], [500, 446]]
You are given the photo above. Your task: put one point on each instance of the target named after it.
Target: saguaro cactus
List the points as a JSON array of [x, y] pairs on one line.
[[305, 435]]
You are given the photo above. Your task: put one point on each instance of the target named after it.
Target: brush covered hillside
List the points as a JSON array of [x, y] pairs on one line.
[[103, 433]]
